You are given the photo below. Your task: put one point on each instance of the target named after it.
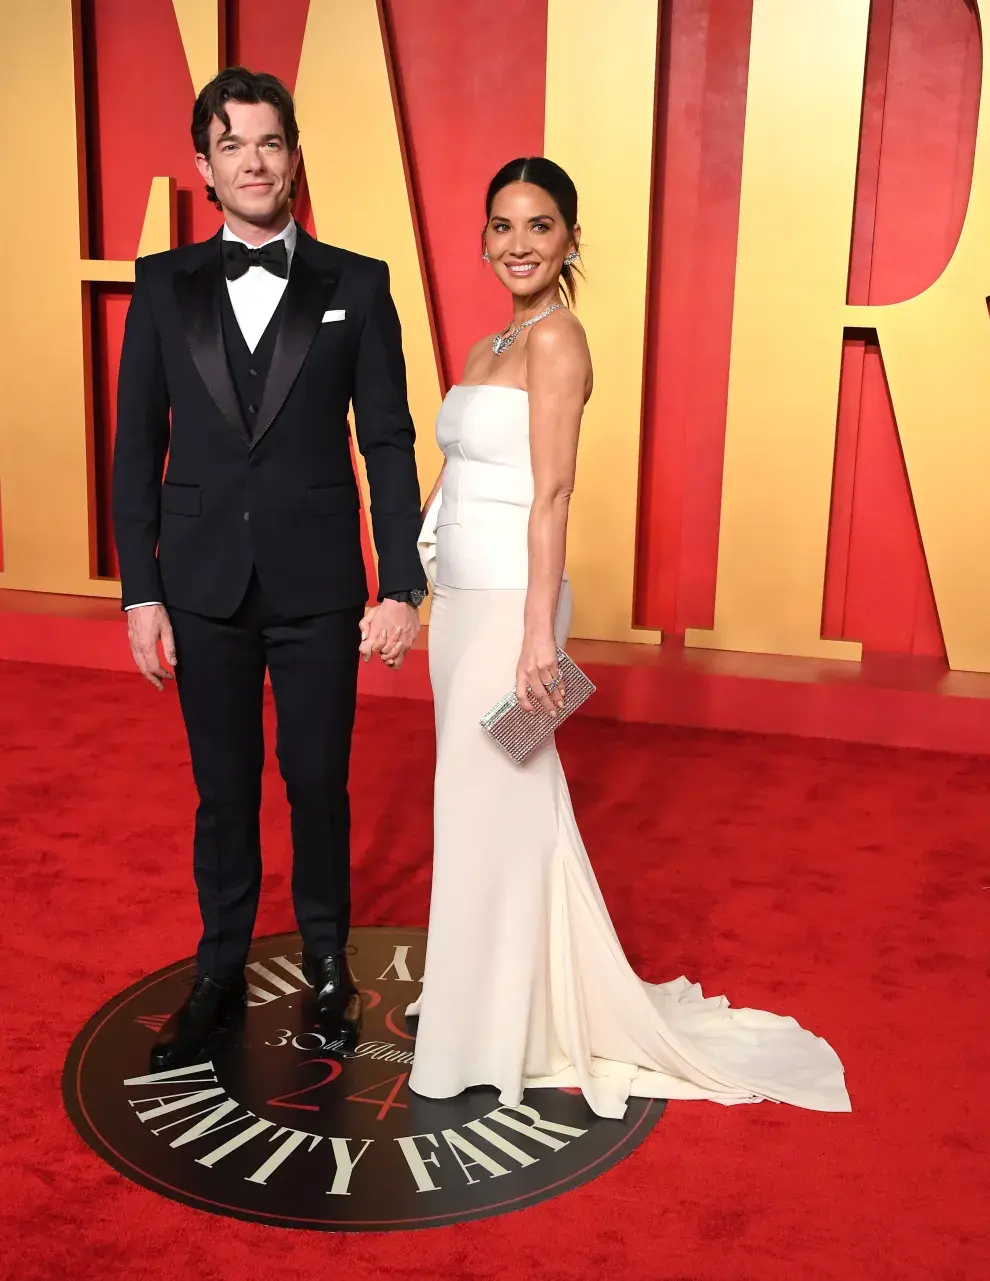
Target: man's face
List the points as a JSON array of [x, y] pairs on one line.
[[250, 166]]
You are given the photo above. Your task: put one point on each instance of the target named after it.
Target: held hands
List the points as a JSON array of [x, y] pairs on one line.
[[388, 629], [146, 626], [538, 683]]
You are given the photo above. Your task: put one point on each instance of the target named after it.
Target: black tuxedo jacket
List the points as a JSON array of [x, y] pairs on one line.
[[284, 499]]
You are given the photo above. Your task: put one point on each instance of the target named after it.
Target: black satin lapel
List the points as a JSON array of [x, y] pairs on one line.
[[306, 297], [198, 295]]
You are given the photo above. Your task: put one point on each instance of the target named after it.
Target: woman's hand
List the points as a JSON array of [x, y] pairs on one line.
[[538, 669]]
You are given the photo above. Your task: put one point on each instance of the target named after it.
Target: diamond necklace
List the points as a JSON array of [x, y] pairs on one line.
[[503, 341]]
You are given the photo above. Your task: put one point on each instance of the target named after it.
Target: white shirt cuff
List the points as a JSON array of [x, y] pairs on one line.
[[141, 604]]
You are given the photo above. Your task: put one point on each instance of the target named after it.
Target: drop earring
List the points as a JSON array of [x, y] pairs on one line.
[[571, 258], [484, 257]]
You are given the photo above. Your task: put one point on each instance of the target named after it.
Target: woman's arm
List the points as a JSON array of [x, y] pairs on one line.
[[558, 369]]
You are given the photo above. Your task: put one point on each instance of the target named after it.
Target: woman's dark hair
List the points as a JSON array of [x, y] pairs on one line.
[[541, 172], [237, 84]]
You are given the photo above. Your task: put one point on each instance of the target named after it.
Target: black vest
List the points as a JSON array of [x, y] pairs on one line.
[[248, 369]]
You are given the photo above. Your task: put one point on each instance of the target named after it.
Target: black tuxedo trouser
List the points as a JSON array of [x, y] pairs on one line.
[[220, 672]]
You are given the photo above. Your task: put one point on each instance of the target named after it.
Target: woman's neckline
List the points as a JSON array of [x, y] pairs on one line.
[[503, 386]]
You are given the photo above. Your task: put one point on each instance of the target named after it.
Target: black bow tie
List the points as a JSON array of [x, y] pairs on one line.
[[237, 258]]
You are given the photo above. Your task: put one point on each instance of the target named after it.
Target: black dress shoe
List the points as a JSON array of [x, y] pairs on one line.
[[185, 1035], [337, 997]]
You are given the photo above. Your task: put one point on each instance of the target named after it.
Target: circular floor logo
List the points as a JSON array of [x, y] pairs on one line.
[[282, 1125]]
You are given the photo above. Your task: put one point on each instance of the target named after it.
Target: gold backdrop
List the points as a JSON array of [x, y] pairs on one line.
[[790, 312]]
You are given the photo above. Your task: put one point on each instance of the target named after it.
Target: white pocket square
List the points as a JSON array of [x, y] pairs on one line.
[[333, 315]]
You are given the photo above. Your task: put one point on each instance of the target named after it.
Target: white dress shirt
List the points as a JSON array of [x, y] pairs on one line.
[[253, 297]]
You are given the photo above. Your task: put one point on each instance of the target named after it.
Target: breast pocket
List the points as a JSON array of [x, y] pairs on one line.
[[329, 367], [337, 335], [182, 500]]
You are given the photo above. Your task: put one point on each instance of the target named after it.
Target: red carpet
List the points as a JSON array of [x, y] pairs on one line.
[[848, 886]]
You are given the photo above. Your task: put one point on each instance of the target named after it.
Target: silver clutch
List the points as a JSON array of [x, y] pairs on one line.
[[520, 733]]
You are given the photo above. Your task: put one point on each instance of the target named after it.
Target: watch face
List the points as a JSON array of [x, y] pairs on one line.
[[418, 596]]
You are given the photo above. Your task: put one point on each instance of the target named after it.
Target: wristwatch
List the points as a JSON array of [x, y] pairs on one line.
[[414, 597]]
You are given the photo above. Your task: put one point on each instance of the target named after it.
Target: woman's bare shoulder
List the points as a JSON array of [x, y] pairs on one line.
[[558, 347], [560, 334]]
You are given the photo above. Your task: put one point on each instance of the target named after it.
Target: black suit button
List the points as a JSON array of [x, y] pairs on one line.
[[255, 460], [252, 409], [247, 515], [253, 373]]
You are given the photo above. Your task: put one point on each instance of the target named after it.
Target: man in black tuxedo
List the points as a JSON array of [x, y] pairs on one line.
[[241, 357]]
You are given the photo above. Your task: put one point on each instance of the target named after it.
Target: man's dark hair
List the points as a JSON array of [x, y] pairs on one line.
[[237, 84]]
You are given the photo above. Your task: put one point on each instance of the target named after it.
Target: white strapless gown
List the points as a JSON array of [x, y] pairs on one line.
[[526, 984]]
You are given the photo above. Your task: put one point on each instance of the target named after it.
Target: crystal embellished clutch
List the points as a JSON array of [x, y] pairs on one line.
[[520, 733]]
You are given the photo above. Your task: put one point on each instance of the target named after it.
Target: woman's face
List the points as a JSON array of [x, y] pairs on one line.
[[527, 240]]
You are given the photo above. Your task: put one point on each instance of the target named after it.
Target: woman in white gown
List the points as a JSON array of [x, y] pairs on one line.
[[526, 984]]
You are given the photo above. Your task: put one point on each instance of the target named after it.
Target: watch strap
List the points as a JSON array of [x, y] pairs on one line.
[[406, 598]]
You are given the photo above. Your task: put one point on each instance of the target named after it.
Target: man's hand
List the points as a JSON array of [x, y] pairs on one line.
[[389, 629], [146, 626]]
